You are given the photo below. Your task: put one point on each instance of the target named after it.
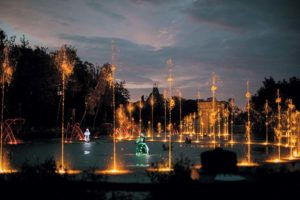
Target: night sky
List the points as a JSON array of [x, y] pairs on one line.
[[239, 40]]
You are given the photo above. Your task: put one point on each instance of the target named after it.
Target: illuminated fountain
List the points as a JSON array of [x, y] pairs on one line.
[[130, 109], [278, 130], [73, 132], [231, 103], [165, 104], [219, 124], [152, 117], [194, 123], [140, 116], [199, 116], [123, 123], [226, 121], [158, 129], [171, 106], [8, 135], [65, 64], [248, 125], [115, 169], [180, 116], [7, 71], [291, 128], [201, 123], [168, 166], [213, 113], [149, 130], [248, 162], [266, 107], [295, 135]]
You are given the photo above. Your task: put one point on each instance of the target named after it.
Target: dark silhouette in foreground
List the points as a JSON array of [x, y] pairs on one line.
[[41, 181]]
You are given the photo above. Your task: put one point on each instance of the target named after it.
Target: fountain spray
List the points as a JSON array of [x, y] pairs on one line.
[[248, 127], [231, 120], [7, 71], [152, 115], [213, 90], [278, 131], [171, 106], [65, 64], [267, 120]]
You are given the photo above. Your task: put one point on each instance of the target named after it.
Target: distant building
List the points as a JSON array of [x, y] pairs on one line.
[[206, 109]]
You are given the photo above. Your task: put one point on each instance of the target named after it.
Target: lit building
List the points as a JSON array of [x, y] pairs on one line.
[[208, 121]]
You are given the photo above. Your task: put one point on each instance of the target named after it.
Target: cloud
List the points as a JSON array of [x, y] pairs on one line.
[[99, 7], [239, 40]]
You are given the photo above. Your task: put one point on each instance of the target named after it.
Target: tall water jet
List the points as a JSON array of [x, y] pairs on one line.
[[213, 91], [7, 71], [266, 107], [165, 104], [248, 125], [158, 129], [140, 115], [219, 124], [113, 69], [116, 167], [130, 109], [290, 127], [226, 125], [278, 129], [65, 63], [149, 129], [171, 106], [180, 115], [199, 115], [194, 123], [152, 115], [231, 120]]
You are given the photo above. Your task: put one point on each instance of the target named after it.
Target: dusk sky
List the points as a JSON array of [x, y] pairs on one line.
[[239, 40]]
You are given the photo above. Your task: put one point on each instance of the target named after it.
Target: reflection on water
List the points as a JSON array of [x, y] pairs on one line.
[[98, 153]]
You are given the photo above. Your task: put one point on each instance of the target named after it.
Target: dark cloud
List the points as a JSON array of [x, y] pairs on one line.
[[276, 14], [100, 7]]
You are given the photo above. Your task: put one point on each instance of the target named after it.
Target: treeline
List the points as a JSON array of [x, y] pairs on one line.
[[33, 93], [289, 94]]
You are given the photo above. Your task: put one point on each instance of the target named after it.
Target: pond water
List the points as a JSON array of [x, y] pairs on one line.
[[98, 153]]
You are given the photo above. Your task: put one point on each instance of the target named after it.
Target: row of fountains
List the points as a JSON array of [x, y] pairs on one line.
[[124, 126]]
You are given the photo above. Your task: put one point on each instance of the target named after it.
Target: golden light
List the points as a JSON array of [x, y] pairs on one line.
[[158, 129], [130, 107], [160, 169], [113, 172], [7, 71], [276, 160], [68, 171], [65, 64], [5, 167], [247, 164]]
